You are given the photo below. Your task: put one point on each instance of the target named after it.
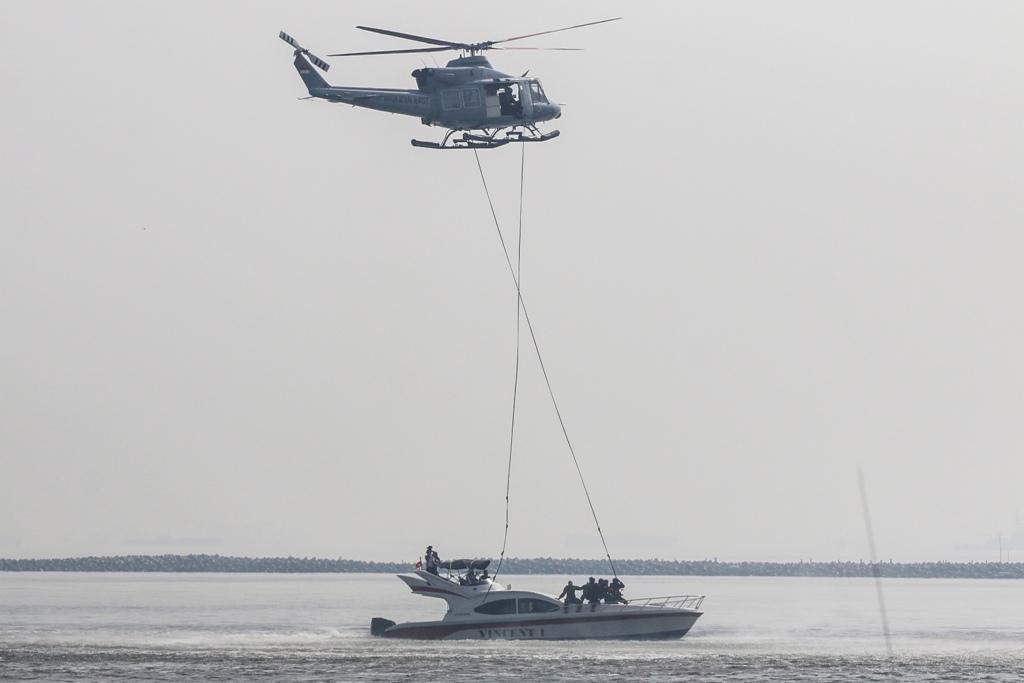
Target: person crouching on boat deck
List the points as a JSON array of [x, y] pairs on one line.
[[431, 559], [615, 592], [591, 593], [471, 578], [569, 593]]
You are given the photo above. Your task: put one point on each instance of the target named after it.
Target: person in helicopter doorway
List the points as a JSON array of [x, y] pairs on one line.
[[569, 593], [431, 560], [508, 103], [591, 593], [505, 102], [615, 592]]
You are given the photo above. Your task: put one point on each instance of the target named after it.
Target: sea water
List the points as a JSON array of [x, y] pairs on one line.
[[311, 627]]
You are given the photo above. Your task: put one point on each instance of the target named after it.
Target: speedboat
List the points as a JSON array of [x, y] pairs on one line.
[[481, 609]]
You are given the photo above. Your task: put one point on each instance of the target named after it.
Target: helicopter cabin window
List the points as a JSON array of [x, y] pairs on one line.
[[537, 92], [471, 98], [451, 99], [497, 607], [534, 606]]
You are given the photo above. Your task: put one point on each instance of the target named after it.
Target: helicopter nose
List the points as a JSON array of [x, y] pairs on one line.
[[558, 111]]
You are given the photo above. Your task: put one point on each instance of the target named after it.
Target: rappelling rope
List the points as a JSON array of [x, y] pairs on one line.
[[540, 360], [515, 381]]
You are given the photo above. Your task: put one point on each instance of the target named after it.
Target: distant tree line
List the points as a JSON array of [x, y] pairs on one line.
[[537, 565], [201, 563], [571, 567]]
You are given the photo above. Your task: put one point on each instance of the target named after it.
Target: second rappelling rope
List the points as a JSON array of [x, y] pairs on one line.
[[515, 381], [540, 360]]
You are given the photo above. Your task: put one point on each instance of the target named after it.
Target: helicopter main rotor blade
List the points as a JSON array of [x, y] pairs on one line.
[[557, 30], [523, 47], [392, 52], [409, 36]]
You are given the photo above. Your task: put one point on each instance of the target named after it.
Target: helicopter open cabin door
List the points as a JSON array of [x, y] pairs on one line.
[[492, 103]]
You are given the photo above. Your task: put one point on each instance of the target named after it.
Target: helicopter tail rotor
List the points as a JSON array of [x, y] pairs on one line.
[[299, 50], [304, 61]]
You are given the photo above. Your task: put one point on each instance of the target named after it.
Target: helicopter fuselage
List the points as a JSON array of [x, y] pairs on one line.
[[466, 94]]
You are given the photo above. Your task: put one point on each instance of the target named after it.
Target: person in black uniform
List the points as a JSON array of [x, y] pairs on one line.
[[591, 592], [505, 101], [569, 593], [615, 592]]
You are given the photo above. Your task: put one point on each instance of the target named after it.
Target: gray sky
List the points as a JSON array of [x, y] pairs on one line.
[[775, 241]]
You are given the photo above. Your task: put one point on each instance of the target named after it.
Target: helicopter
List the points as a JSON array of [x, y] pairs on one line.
[[480, 106]]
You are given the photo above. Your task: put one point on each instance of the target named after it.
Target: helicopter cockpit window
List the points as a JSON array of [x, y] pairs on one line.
[[451, 99], [537, 92]]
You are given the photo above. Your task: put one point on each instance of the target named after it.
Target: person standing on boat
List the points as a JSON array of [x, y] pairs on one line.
[[569, 593], [431, 559]]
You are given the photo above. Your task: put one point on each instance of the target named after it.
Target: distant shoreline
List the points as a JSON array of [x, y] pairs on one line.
[[545, 565]]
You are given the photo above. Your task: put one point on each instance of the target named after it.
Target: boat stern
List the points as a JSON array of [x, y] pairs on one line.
[[378, 625]]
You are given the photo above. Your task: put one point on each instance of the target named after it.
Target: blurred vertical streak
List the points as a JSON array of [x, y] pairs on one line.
[[874, 561]]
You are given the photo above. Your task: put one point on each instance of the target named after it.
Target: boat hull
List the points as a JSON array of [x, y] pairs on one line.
[[653, 624]]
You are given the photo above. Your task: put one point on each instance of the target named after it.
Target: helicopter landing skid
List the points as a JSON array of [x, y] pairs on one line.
[[472, 141], [460, 143]]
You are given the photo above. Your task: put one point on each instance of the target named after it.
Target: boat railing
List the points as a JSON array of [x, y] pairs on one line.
[[672, 601]]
